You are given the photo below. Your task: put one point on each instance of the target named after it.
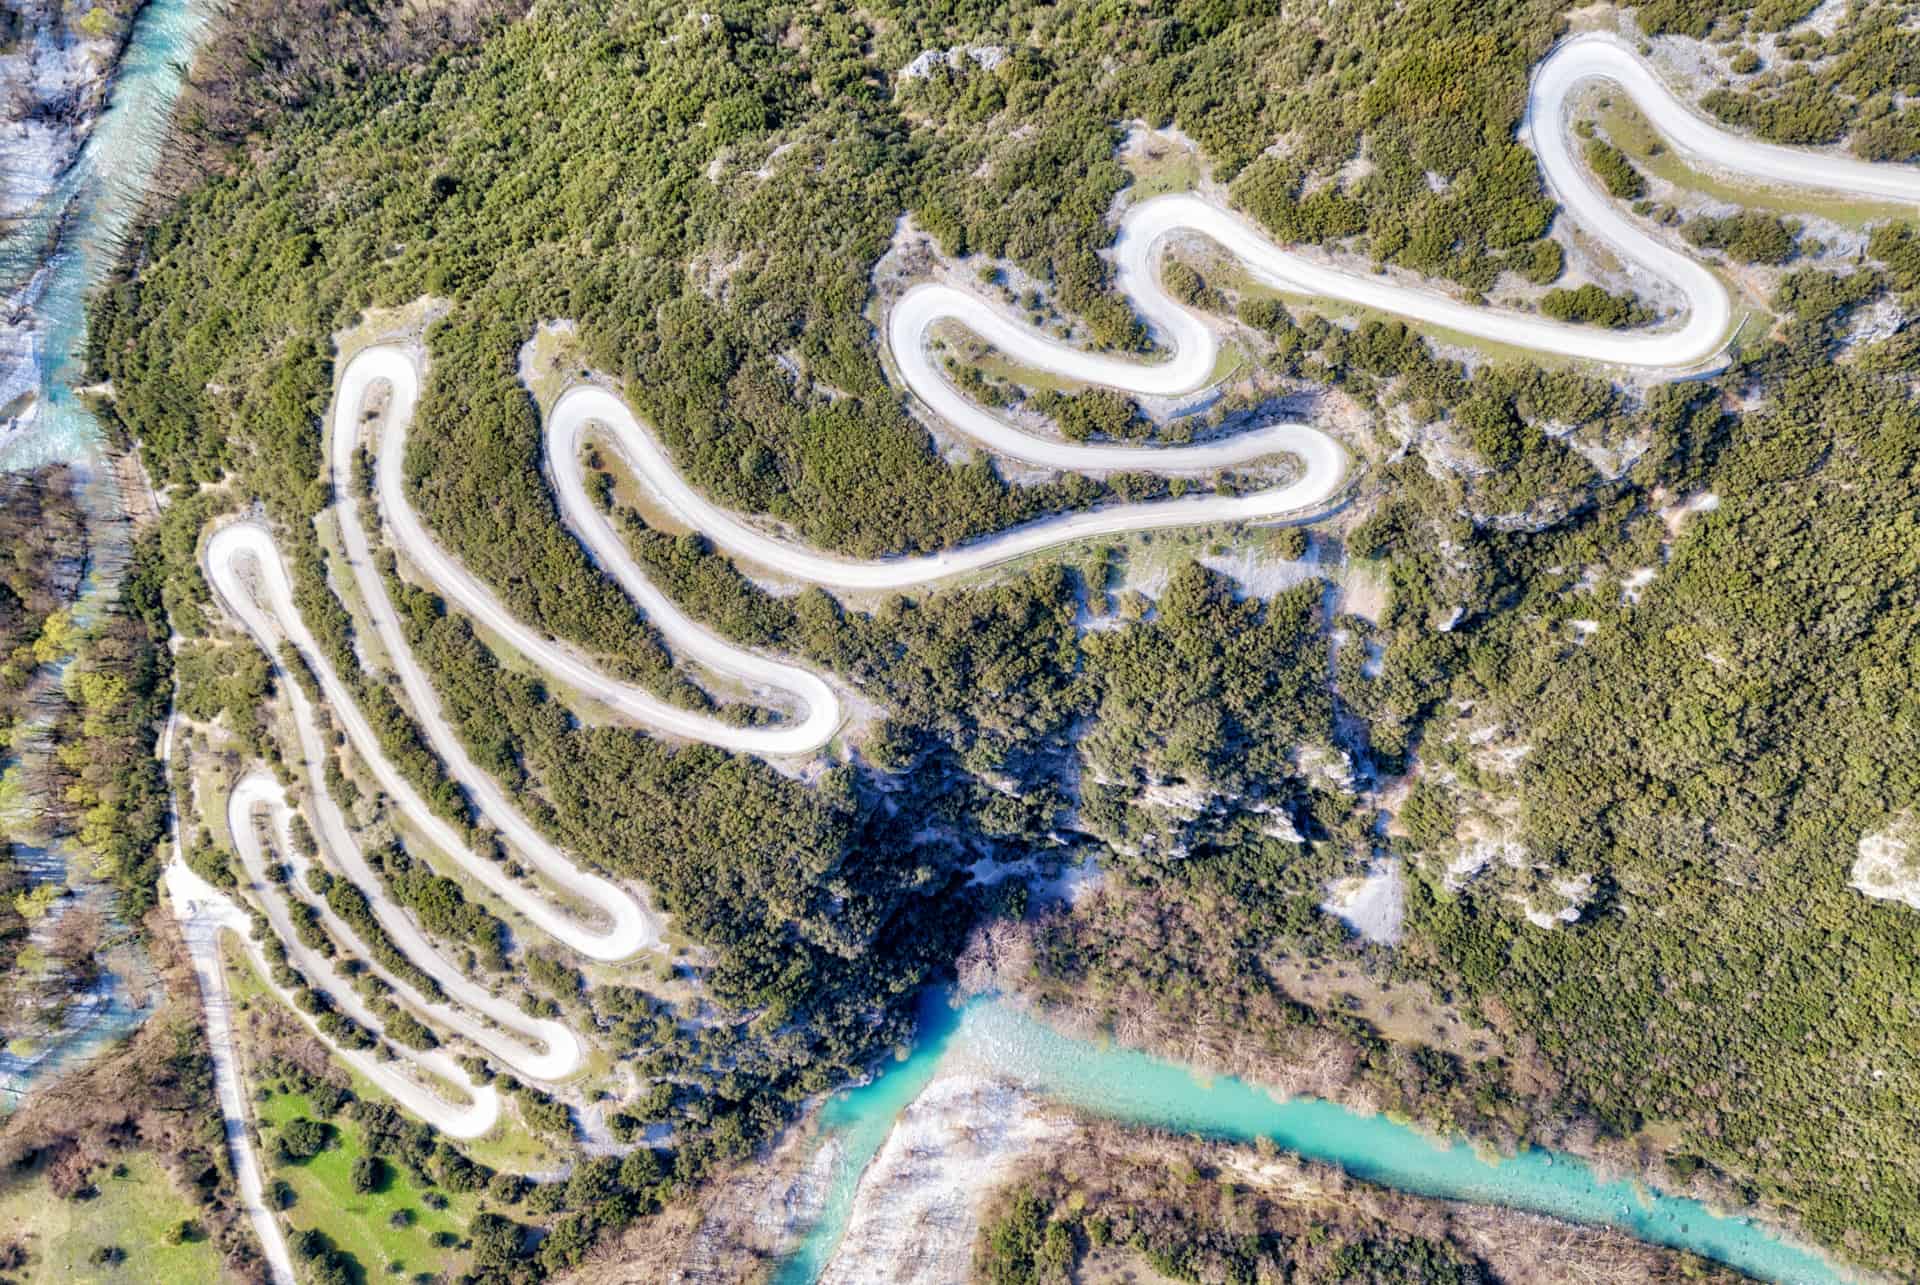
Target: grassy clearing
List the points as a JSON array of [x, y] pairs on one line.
[[627, 489], [134, 1213], [388, 325], [213, 784], [1227, 363], [373, 652], [361, 1223], [996, 365], [512, 1147], [1142, 552], [555, 362], [1340, 312], [969, 349], [1160, 165]]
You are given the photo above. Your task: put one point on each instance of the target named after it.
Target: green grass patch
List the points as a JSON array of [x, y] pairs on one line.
[[360, 1223], [133, 1213], [967, 348], [1227, 363], [510, 1145]]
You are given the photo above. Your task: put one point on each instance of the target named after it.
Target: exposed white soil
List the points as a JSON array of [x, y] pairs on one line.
[[1573, 893], [1373, 905], [985, 56], [777, 1211], [1675, 514], [1635, 582], [1328, 768], [1259, 574], [1477, 856], [1888, 865]]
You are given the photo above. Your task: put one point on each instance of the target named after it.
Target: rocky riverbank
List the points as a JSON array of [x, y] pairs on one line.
[[57, 65], [919, 1206], [971, 1141]]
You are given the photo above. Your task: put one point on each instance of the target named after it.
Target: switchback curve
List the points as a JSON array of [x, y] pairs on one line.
[[235, 548]]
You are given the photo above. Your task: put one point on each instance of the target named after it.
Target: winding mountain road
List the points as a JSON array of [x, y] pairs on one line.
[[396, 368], [202, 912], [634, 928], [1194, 349], [322, 974], [245, 549], [240, 551], [535, 1048], [1600, 56]]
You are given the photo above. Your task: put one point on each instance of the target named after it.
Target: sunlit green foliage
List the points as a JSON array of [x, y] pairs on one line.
[[1747, 237], [1622, 180], [1594, 305], [1823, 87], [1706, 756]]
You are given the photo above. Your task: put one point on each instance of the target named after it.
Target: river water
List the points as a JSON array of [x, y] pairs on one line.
[[994, 1037], [48, 267], [84, 220]]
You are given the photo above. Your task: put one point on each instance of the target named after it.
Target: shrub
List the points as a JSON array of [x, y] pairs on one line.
[[1615, 170], [1591, 305], [1098, 412], [303, 1139], [544, 1115], [1749, 236], [1897, 246], [369, 1173], [1542, 262]]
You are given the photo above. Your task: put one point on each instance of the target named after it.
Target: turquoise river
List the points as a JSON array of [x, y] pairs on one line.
[[995, 1037]]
